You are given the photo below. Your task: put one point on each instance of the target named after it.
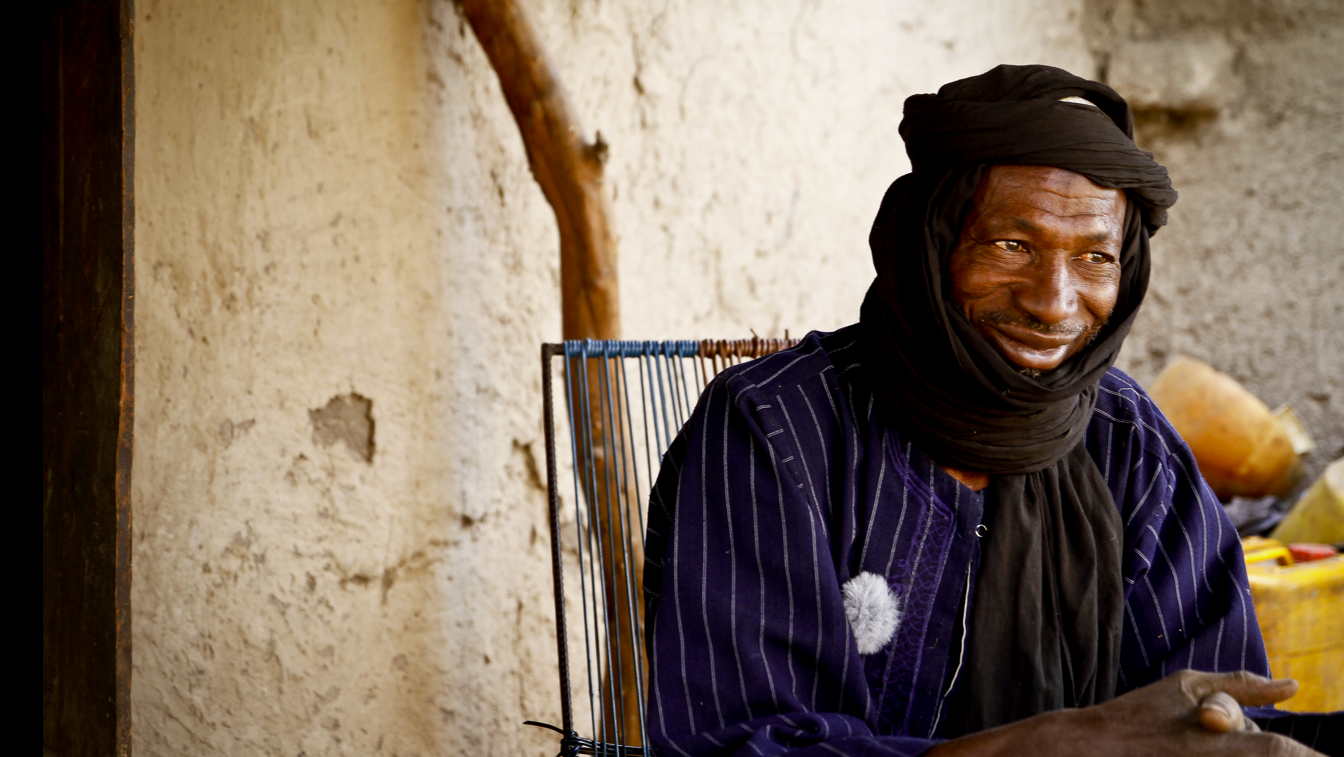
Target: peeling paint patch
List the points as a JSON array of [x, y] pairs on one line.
[[346, 418], [228, 430], [530, 463]]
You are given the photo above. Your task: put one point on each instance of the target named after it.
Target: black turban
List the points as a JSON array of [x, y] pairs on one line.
[[1045, 617]]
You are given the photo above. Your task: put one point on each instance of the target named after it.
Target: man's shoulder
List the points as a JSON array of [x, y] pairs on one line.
[[799, 366], [1121, 401]]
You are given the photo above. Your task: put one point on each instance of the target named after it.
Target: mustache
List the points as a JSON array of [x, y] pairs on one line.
[[1027, 321]]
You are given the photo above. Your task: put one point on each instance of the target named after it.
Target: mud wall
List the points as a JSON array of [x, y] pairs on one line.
[[345, 270], [1240, 100]]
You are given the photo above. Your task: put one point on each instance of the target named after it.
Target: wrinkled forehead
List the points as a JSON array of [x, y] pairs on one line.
[[1057, 191]]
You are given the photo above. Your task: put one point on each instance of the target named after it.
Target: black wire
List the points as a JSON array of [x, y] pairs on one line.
[[573, 744]]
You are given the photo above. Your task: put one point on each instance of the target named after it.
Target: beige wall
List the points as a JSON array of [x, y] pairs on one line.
[[332, 200], [1249, 275]]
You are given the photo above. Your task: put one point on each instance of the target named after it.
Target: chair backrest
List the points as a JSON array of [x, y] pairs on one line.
[[622, 403]]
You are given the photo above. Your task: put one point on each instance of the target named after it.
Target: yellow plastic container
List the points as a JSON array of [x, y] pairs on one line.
[[1319, 515], [1241, 448], [1301, 611]]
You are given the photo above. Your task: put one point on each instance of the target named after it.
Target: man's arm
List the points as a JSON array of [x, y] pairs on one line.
[[1187, 599]]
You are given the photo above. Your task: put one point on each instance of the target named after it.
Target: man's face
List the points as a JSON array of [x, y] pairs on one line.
[[1037, 268]]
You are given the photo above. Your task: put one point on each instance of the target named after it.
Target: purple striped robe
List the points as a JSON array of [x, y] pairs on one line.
[[785, 483]]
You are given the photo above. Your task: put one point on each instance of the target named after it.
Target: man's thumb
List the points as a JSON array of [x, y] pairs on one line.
[[1247, 688]]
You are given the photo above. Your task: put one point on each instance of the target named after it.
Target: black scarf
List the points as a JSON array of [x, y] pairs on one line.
[[1045, 618]]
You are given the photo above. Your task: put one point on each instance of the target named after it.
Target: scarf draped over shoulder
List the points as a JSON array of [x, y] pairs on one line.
[[1044, 626]]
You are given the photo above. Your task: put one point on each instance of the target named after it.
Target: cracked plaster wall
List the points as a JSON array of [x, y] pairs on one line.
[[333, 201], [1249, 275]]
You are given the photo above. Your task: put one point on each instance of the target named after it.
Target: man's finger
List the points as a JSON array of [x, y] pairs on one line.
[[1220, 713], [1247, 688]]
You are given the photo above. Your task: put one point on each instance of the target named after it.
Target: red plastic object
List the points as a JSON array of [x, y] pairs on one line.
[[1306, 552]]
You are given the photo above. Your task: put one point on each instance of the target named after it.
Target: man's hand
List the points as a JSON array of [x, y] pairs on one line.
[[1187, 713]]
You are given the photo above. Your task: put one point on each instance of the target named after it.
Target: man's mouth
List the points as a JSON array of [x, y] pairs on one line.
[[1029, 345], [1036, 339]]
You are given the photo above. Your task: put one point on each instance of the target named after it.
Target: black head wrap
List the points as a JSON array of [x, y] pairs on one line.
[[1045, 619]]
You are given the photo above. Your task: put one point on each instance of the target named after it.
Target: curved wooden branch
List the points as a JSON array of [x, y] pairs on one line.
[[565, 164]]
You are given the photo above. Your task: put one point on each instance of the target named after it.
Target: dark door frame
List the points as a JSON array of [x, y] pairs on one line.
[[88, 364]]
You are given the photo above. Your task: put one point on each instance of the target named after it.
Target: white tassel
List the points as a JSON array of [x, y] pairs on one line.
[[872, 609]]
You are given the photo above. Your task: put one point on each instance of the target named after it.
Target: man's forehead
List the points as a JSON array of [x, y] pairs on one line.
[[1053, 190], [1050, 179], [1037, 200]]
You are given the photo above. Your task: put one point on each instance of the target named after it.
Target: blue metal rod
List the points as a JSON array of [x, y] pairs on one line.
[[595, 534], [612, 478], [631, 591], [579, 528]]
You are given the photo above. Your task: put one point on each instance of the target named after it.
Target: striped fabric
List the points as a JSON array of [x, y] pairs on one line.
[[784, 485]]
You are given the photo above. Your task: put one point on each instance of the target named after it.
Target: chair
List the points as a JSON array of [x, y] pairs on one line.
[[623, 403]]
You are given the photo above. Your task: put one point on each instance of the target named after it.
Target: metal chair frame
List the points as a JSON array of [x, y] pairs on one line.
[[667, 392]]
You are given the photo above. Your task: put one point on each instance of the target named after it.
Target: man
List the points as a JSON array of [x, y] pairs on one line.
[[956, 518]]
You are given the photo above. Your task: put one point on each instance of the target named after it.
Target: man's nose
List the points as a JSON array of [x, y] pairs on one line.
[[1049, 292]]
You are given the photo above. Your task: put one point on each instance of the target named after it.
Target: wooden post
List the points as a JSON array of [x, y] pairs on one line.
[[569, 169]]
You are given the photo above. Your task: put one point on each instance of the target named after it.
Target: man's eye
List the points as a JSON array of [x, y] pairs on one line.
[[1096, 257], [1010, 245]]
